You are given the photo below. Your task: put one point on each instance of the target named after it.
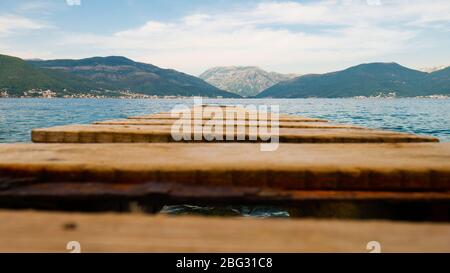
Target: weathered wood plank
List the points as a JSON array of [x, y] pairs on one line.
[[207, 111], [50, 232], [391, 167], [281, 118], [285, 124], [142, 133]]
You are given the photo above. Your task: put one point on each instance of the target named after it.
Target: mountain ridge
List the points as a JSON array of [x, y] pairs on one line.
[[18, 76], [369, 79], [118, 72], [110, 75], [433, 68], [246, 81]]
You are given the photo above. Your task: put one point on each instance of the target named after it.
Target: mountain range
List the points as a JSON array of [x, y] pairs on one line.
[[364, 80], [100, 75], [115, 75], [246, 81]]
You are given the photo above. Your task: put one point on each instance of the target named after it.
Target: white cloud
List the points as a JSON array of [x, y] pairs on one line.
[[14, 23], [284, 36], [271, 35], [350, 12]]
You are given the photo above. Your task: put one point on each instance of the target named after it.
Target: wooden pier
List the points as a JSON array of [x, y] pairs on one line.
[[157, 128], [318, 169]]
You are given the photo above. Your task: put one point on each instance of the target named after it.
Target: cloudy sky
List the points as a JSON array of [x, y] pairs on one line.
[[191, 36]]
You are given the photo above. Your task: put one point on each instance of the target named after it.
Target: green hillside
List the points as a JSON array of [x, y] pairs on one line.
[[99, 76], [120, 73], [363, 80], [18, 76]]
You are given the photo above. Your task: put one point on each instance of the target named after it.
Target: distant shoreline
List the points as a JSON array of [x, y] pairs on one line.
[[212, 98]]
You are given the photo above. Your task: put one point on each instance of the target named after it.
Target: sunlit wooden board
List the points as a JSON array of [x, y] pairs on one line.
[[284, 124], [51, 232], [418, 166], [161, 133], [207, 109], [192, 116]]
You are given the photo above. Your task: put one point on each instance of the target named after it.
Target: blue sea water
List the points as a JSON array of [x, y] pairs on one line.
[[420, 116]]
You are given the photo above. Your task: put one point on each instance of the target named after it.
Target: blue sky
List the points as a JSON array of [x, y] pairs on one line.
[[192, 36]]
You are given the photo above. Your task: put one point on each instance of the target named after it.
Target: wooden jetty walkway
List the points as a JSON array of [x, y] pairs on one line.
[[318, 167], [158, 128]]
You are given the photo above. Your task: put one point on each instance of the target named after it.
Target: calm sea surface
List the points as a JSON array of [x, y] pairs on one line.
[[420, 116]]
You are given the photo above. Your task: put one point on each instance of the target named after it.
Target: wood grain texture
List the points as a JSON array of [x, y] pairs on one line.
[[249, 128], [50, 232], [285, 124], [163, 133], [420, 166], [281, 118]]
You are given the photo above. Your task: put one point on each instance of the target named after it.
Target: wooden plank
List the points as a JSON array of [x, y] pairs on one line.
[[285, 124], [224, 110], [50, 232], [281, 118], [135, 133], [388, 167]]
